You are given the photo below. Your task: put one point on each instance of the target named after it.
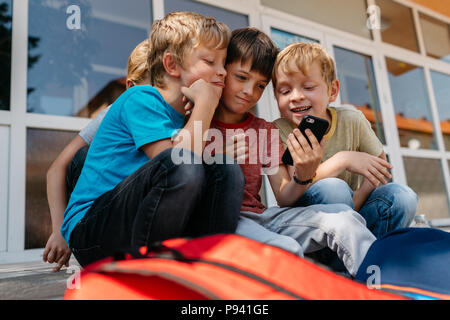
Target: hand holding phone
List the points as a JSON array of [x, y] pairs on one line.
[[318, 127]]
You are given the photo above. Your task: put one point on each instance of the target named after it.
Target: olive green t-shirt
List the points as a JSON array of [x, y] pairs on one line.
[[349, 131]]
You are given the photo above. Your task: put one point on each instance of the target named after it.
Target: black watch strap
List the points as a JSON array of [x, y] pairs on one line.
[[303, 183]]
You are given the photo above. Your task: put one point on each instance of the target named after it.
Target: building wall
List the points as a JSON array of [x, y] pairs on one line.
[[393, 57]]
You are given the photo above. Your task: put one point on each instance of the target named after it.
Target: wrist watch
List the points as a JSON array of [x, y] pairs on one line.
[[304, 182]]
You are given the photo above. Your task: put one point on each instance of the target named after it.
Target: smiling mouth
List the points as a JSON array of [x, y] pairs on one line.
[[243, 99], [301, 109], [219, 84]]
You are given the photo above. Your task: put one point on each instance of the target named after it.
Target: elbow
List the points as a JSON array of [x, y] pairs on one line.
[[52, 171], [282, 203]]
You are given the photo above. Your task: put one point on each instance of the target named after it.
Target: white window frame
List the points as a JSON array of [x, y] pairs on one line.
[[12, 235], [4, 181], [378, 50], [18, 120]]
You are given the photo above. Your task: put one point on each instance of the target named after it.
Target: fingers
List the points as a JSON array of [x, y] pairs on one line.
[[45, 254], [378, 175], [371, 178], [63, 261], [302, 140], [383, 162], [240, 147], [312, 138], [382, 169], [51, 255]]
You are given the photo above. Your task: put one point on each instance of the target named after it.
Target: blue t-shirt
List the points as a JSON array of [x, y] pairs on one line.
[[139, 116]]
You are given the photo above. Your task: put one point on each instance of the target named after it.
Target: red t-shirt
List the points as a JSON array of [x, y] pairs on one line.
[[265, 152]]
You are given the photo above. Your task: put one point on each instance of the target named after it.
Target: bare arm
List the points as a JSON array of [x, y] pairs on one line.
[[206, 98], [373, 168], [367, 186], [306, 160], [56, 249]]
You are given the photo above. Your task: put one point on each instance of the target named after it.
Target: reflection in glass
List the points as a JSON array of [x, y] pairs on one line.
[[232, 19], [283, 38], [425, 177], [348, 15], [78, 64], [358, 86], [43, 146], [436, 35], [5, 53], [441, 87], [397, 25], [411, 105]]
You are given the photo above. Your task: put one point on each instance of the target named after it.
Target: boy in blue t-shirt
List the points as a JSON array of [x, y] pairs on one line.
[[131, 192]]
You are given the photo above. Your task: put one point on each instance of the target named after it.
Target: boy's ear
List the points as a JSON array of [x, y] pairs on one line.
[[335, 85], [171, 65], [130, 83]]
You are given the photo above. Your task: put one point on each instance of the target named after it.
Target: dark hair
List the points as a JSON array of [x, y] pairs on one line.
[[251, 44]]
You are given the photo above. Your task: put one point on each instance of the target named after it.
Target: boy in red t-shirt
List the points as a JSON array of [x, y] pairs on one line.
[[258, 149]]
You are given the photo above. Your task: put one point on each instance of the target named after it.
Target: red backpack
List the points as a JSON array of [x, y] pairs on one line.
[[224, 266]]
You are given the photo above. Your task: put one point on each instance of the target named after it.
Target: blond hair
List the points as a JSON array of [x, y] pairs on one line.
[[137, 67], [302, 55], [178, 33]]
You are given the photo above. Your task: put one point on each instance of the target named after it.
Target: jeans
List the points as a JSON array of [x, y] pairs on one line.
[[160, 200], [304, 230], [388, 207]]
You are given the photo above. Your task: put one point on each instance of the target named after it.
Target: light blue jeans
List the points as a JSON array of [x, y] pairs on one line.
[[387, 208], [308, 229]]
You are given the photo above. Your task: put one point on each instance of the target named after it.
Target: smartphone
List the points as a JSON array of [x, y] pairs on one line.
[[318, 126]]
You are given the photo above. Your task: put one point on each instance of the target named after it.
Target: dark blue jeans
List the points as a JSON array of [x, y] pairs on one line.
[[159, 201]]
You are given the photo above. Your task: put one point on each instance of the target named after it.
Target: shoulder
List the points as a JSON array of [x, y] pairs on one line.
[[257, 122], [283, 124], [144, 100], [349, 112], [285, 128], [348, 115], [143, 92]]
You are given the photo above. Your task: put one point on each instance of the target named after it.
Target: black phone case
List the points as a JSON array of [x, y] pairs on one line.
[[318, 127]]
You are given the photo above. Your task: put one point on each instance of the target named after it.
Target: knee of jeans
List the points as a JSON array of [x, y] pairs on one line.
[[333, 191], [287, 243], [345, 219], [233, 173], [178, 156], [192, 176], [404, 202]]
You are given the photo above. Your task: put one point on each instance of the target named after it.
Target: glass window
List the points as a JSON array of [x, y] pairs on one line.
[[358, 86], [397, 25], [283, 38], [5, 53], [436, 35], [425, 177], [43, 146], [232, 19], [411, 105], [349, 15], [441, 85], [78, 52]]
